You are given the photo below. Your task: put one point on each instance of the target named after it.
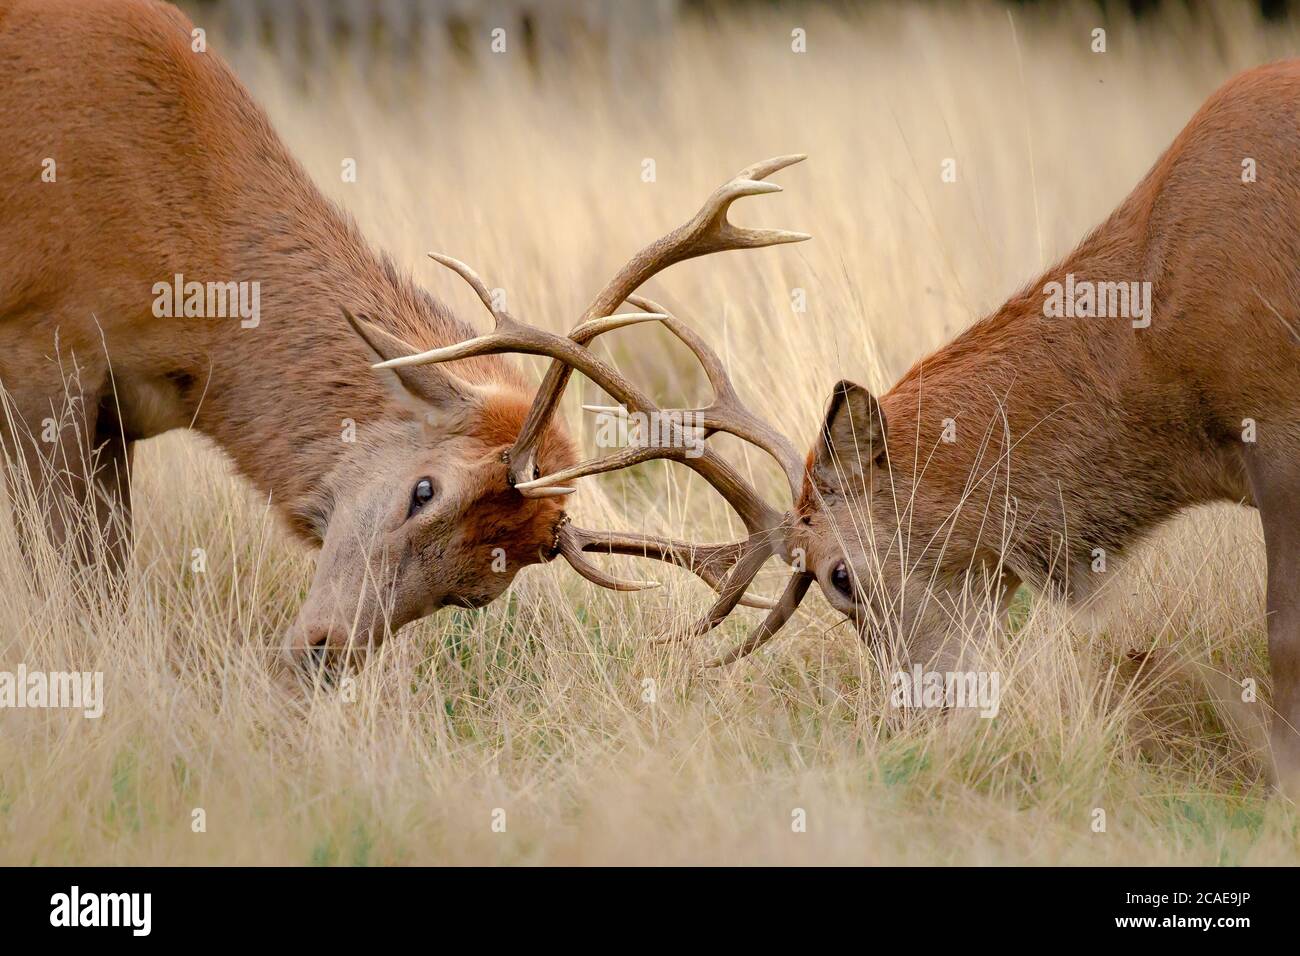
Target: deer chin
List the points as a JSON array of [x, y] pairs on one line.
[[330, 641]]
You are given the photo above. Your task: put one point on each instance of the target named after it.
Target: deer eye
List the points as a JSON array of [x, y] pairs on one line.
[[841, 581], [421, 496], [537, 472]]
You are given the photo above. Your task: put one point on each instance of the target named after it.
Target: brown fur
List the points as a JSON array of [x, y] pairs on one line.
[[164, 166], [1076, 434]]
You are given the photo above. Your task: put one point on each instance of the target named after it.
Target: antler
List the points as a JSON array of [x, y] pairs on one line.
[[729, 568], [707, 232], [710, 562], [726, 413], [785, 606], [511, 335]]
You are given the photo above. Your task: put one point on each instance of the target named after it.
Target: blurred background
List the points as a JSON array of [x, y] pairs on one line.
[[433, 31], [956, 148]]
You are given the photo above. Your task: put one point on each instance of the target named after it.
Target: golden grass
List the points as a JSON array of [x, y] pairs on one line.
[[537, 705]]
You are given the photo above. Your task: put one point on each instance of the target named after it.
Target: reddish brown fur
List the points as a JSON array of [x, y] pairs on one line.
[[1098, 431], [165, 165]]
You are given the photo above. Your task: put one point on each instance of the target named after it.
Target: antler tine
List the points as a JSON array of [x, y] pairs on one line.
[[475, 282], [511, 335], [709, 562], [757, 549], [514, 336], [707, 231], [769, 166], [785, 607], [588, 330], [757, 514], [728, 413], [582, 334], [571, 550]]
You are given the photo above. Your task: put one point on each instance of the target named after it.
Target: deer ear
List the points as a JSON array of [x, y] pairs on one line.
[[852, 439], [418, 385]]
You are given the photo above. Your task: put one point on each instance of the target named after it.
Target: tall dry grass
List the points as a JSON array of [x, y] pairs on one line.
[[537, 705]]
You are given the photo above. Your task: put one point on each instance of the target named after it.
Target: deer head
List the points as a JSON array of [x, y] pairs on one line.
[[452, 523], [884, 545], [419, 513]]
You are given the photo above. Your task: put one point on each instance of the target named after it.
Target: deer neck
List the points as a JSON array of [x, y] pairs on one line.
[[1045, 439], [291, 396]]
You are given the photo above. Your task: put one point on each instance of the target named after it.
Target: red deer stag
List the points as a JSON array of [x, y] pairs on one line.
[[424, 508], [1156, 367]]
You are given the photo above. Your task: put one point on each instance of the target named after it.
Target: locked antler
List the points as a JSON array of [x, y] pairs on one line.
[[728, 568]]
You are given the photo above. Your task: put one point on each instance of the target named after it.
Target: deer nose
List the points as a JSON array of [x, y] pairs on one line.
[[326, 652], [317, 646]]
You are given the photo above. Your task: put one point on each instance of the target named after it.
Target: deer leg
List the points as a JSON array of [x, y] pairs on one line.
[[1275, 483]]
